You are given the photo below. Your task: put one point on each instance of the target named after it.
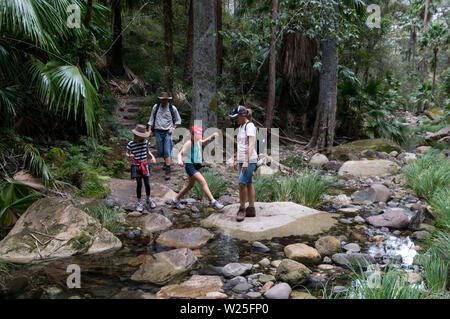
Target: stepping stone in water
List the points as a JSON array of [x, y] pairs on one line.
[[195, 237]]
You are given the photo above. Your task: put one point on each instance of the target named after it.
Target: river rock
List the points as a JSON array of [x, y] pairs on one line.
[[151, 223], [439, 134], [242, 288], [421, 234], [76, 233], [395, 218], [253, 295], [200, 287], [279, 291], [266, 278], [260, 247], [352, 247], [368, 194], [382, 193], [327, 245], [351, 151], [292, 272], [194, 237], [236, 269], [422, 149], [353, 259], [364, 168], [276, 219], [163, 267], [332, 166], [296, 294], [265, 262], [318, 160], [303, 254]]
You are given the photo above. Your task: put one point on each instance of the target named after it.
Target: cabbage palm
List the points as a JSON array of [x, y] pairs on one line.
[[36, 54]]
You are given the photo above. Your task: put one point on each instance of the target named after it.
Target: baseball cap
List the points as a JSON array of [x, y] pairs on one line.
[[198, 131], [239, 110]]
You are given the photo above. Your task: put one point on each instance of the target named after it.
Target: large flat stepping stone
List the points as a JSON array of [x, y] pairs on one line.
[[194, 237], [200, 287], [124, 191], [162, 268], [53, 228], [364, 168], [277, 219]]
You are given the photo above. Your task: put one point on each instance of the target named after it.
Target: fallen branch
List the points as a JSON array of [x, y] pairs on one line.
[[36, 232]]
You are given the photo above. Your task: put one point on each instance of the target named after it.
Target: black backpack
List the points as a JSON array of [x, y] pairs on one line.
[[172, 113]]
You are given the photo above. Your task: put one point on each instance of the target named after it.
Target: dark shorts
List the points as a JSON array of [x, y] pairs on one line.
[[191, 169]]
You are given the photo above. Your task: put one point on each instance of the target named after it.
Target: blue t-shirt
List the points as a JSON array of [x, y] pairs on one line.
[[195, 155]]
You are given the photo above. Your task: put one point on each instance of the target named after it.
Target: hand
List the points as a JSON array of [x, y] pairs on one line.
[[170, 132], [153, 161], [150, 131], [245, 166], [131, 156], [214, 135], [235, 166], [180, 163]]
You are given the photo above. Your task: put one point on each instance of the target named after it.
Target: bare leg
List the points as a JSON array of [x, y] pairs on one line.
[[251, 195], [201, 180], [242, 194], [186, 188]]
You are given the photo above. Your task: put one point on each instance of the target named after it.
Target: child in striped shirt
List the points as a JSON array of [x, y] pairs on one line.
[[138, 150]]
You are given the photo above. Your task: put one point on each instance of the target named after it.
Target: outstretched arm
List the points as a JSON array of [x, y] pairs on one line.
[[210, 138]]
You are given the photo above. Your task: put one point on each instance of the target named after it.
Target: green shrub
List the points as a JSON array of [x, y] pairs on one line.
[[56, 156], [216, 183], [309, 188], [435, 269], [264, 188], [441, 203], [107, 217], [427, 174], [94, 189], [14, 197]]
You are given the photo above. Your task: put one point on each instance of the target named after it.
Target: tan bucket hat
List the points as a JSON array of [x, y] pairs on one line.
[[165, 96], [140, 131]]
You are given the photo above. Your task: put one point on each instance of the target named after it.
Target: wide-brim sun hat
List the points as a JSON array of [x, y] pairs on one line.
[[164, 96], [140, 131], [239, 110]]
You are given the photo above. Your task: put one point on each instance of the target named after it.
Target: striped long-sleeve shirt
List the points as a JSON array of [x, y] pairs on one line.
[[138, 149]]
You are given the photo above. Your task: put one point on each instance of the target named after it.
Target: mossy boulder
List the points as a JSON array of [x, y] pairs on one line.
[[56, 156], [53, 228], [352, 150]]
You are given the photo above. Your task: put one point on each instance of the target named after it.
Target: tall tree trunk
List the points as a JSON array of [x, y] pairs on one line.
[[435, 51], [204, 67], [272, 68], [219, 39], [168, 45], [425, 24], [414, 39], [324, 125], [116, 63], [189, 46]]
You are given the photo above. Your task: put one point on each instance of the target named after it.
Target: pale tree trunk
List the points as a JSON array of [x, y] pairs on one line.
[[219, 39], [168, 45], [425, 24], [272, 68], [204, 64], [189, 46]]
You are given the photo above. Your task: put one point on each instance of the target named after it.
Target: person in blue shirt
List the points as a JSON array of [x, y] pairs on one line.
[[192, 151]]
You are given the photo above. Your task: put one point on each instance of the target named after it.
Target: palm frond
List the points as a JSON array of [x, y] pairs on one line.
[[59, 85], [37, 165]]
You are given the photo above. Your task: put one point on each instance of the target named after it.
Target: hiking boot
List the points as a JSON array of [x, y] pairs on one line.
[[151, 203], [241, 214], [167, 177], [216, 205], [139, 207], [250, 212]]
